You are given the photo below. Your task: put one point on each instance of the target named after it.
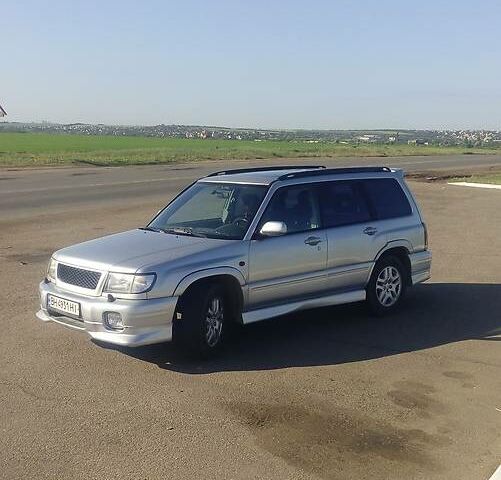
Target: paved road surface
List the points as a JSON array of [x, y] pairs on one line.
[[325, 394], [23, 191]]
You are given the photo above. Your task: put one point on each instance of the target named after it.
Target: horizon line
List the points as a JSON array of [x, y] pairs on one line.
[[382, 129]]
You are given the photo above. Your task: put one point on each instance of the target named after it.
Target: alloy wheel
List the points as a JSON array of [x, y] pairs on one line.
[[388, 286], [214, 321]]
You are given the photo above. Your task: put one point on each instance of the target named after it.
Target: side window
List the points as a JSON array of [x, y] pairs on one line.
[[343, 203], [387, 198], [296, 206]]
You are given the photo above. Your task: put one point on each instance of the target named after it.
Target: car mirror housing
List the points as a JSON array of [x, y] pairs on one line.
[[273, 229]]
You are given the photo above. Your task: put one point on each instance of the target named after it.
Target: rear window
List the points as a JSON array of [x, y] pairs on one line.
[[343, 203], [387, 198]]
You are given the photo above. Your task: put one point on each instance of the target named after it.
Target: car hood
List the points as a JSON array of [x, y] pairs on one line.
[[133, 250]]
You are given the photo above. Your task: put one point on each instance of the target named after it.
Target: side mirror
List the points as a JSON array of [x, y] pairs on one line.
[[273, 229]]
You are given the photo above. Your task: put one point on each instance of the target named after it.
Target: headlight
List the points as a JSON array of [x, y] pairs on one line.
[[129, 283], [51, 270]]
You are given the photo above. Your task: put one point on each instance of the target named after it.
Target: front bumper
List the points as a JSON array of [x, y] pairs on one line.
[[145, 321]]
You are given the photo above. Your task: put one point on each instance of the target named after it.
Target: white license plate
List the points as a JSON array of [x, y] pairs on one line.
[[63, 305]]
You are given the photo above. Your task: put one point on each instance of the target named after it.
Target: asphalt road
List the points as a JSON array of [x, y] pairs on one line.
[[325, 394], [23, 192]]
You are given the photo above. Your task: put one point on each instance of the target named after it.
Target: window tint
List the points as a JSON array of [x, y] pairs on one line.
[[343, 203], [387, 198], [296, 206]]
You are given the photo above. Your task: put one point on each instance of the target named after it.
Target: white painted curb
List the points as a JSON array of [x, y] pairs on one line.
[[497, 474], [477, 185]]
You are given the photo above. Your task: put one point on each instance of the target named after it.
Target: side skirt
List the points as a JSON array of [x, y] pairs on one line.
[[277, 310]]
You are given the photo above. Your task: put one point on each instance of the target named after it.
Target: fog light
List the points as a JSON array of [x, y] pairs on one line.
[[113, 320]]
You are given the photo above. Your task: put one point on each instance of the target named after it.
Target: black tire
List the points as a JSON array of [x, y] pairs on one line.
[[382, 296], [193, 327]]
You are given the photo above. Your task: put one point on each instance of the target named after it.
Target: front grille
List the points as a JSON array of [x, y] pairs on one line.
[[78, 276]]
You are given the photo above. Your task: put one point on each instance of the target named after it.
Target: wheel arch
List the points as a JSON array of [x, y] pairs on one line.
[[400, 249], [230, 277]]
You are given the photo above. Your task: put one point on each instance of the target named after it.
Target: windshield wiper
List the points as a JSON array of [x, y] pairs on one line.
[[151, 229], [183, 231]]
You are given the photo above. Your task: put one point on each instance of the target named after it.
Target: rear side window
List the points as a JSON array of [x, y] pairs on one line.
[[343, 203], [387, 198]]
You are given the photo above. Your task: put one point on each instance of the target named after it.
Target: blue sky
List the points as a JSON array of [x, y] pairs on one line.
[[270, 64]]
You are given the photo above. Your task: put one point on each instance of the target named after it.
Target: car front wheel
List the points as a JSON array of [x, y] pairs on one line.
[[203, 312]]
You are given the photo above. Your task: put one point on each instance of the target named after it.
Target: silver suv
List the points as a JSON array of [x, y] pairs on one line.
[[243, 246]]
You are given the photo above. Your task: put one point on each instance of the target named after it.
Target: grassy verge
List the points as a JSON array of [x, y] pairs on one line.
[[34, 149], [494, 179]]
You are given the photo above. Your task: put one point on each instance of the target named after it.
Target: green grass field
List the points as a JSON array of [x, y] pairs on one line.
[[35, 149]]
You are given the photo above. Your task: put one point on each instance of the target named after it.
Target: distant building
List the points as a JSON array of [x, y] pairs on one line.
[[2, 112], [367, 138]]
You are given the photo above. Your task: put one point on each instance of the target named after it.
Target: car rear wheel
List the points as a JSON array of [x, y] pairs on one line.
[[202, 316], [386, 287]]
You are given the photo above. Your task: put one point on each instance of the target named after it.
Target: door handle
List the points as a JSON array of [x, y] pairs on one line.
[[313, 241], [370, 231]]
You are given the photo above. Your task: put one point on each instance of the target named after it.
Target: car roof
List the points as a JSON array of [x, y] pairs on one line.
[[257, 177], [267, 176]]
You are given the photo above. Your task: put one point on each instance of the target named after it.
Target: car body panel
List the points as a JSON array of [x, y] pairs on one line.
[[132, 251], [145, 321], [351, 254], [286, 267], [209, 273], [325, 300], [420, 266]]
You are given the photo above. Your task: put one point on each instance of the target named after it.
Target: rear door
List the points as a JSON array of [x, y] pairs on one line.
[[394, 216], [353, 237], [291, 266]]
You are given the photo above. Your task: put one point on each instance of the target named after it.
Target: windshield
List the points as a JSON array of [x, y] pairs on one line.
[[213, 210]]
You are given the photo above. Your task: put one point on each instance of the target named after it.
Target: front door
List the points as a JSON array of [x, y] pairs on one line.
[[292, 266]]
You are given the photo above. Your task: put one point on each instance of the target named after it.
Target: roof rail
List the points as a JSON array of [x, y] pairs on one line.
[[265, 169], [334, 171]]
